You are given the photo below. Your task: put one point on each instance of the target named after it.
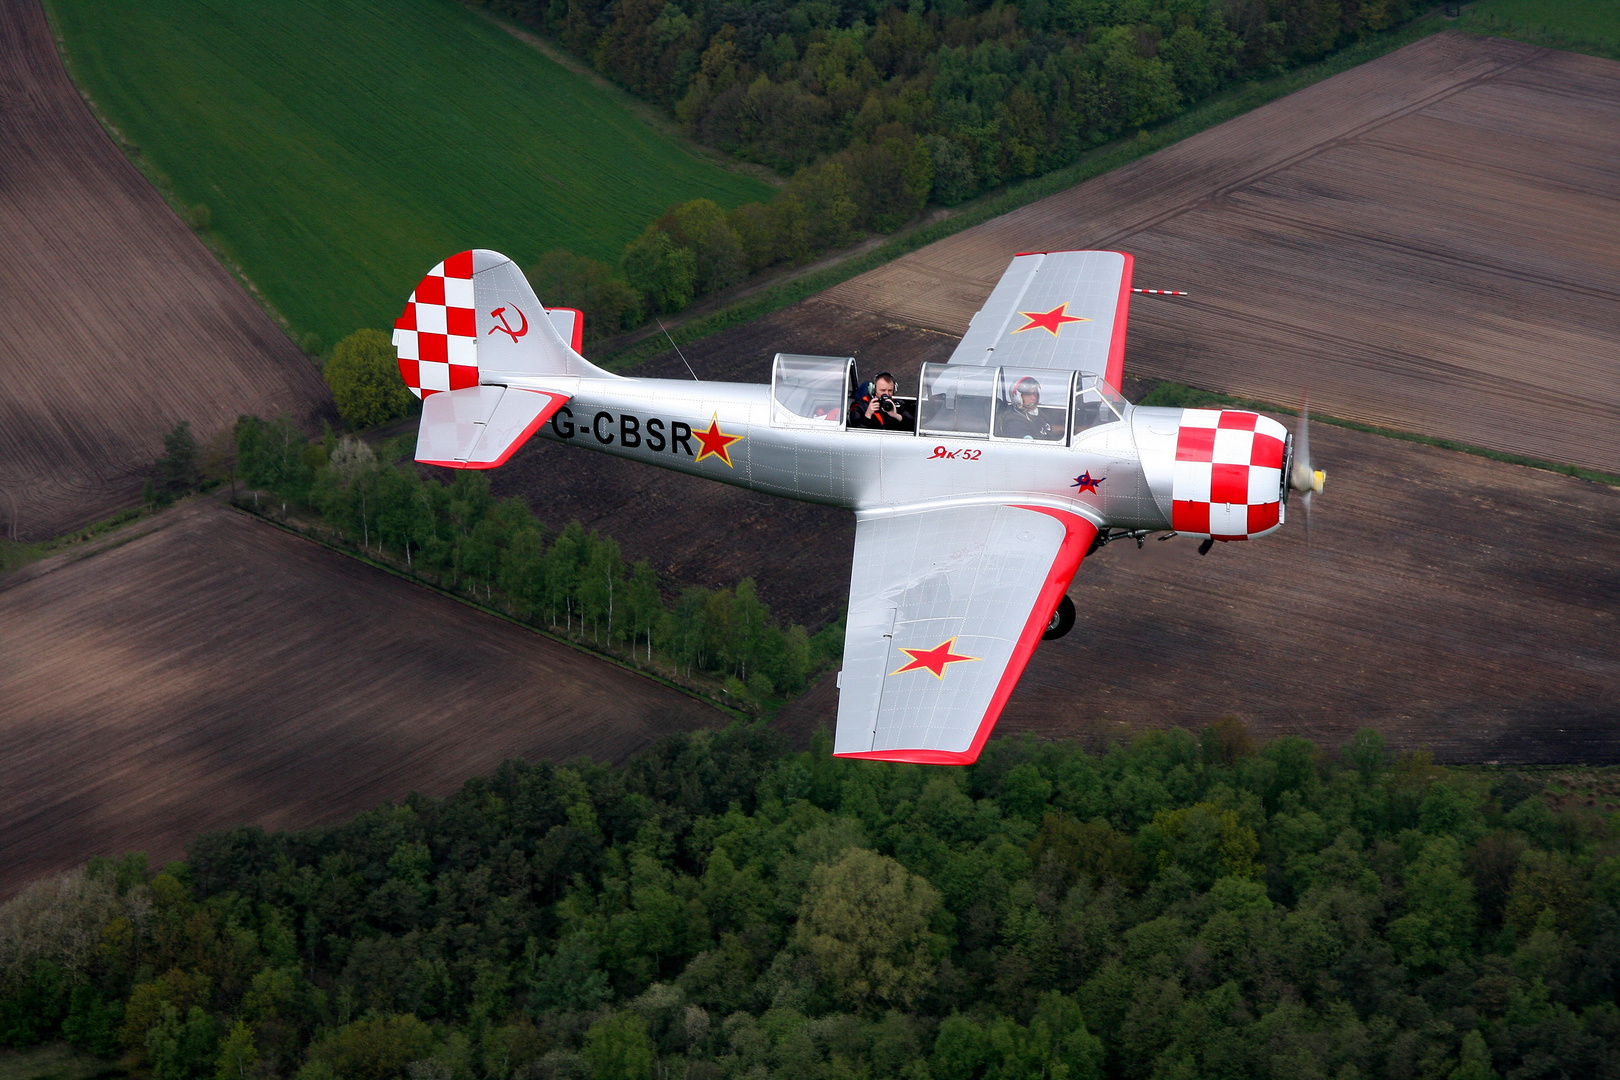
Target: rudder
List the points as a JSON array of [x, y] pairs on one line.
[[474, 319]]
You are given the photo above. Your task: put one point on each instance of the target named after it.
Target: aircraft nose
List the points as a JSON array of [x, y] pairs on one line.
[[1227, 479]]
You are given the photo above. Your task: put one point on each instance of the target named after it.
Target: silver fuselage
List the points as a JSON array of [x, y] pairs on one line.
[[1129, 461]]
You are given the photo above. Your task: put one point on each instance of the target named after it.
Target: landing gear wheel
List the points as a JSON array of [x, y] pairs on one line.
[[1062, 620]]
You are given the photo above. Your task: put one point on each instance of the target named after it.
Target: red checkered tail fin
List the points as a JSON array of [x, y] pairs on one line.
[[474, 320]]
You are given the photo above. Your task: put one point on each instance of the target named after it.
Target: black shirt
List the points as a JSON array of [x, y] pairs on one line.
[[880, 420]]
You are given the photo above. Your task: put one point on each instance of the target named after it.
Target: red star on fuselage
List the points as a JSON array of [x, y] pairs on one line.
[[1050, 321], [715, 441], [1086, 482], [933, 660]]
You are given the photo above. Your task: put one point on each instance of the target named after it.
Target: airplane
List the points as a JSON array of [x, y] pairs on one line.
[[971, 521]]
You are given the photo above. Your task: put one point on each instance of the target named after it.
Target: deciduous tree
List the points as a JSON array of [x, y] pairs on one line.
[[865, 921], [364, 376]]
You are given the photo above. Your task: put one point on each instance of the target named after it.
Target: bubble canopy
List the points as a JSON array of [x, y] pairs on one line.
[[960, 400], [811, 391]]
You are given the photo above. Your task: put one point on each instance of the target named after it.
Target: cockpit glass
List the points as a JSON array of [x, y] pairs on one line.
[[956, 399], [1096, 403], [809, 391], [1033, 404]]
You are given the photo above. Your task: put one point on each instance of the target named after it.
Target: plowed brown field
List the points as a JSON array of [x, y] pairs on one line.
[[1451, 601], [216, 671], [118, 321], [1426, 242]]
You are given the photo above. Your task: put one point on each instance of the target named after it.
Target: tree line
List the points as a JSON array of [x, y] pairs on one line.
[[458, 536], [1175, 905], [877, 109]]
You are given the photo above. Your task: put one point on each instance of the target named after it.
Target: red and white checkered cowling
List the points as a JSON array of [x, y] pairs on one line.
[[437, 336], [1228, 480]]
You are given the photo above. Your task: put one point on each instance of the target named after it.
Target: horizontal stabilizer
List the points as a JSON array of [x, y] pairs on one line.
[[479, 427]]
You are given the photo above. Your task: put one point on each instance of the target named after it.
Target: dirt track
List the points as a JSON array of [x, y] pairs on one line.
[[118, 321], [1425, 242], [217, 670]]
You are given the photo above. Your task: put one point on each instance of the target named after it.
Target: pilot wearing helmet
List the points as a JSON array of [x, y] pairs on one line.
[[1021, 415]]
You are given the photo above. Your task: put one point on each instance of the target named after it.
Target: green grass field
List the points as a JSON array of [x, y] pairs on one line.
[[343, 147], [1583, 25]]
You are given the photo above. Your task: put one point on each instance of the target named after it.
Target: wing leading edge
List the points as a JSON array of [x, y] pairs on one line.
[[946, 606], [1055, 309]]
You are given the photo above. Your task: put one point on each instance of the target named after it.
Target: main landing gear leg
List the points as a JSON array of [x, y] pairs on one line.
[[1062, 620]]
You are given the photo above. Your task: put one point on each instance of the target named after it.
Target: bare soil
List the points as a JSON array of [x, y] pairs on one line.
[[119, 322], [214, 670], [1424, 242], [205, 669], [695, 531], [1451, 601]]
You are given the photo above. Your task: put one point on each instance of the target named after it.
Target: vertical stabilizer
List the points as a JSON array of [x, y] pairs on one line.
[[474, 320]]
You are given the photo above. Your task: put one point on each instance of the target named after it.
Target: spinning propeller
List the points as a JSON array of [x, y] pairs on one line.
[[1303, 477]]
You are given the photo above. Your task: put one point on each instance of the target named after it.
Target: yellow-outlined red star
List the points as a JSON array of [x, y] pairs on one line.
[[1050, 321], [935, 660], [715, 442]]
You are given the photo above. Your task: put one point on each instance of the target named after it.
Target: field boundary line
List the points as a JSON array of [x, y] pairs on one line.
[[159, 181], [1366, 127], [1306, 224], [116, 536], [719, 706], [644, 110], [1106, 158]]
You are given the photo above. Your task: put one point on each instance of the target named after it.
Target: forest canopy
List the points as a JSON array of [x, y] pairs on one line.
[[877, 109], [1176, 905]]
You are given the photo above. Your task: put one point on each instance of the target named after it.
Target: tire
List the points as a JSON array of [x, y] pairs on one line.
[[1062, 620]]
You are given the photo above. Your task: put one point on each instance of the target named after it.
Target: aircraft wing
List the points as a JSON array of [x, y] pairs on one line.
[[1055, 309], [945, 607]]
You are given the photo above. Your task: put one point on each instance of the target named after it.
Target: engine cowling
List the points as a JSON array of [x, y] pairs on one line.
[[1227, 476]]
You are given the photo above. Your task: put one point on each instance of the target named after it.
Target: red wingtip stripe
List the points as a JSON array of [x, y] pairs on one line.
[[1078, 534], [1122, 313]]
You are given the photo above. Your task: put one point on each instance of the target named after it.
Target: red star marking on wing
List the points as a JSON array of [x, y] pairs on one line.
[[1050, 321], [933, 660], [715, 442]]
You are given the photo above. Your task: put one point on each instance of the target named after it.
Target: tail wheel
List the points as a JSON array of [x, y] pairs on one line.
[[1062, 620]]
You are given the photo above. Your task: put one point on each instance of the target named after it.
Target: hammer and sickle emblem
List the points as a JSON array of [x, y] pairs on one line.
[[506, 327]]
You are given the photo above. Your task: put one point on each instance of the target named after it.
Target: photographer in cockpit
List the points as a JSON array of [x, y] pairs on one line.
[[875, 407]]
